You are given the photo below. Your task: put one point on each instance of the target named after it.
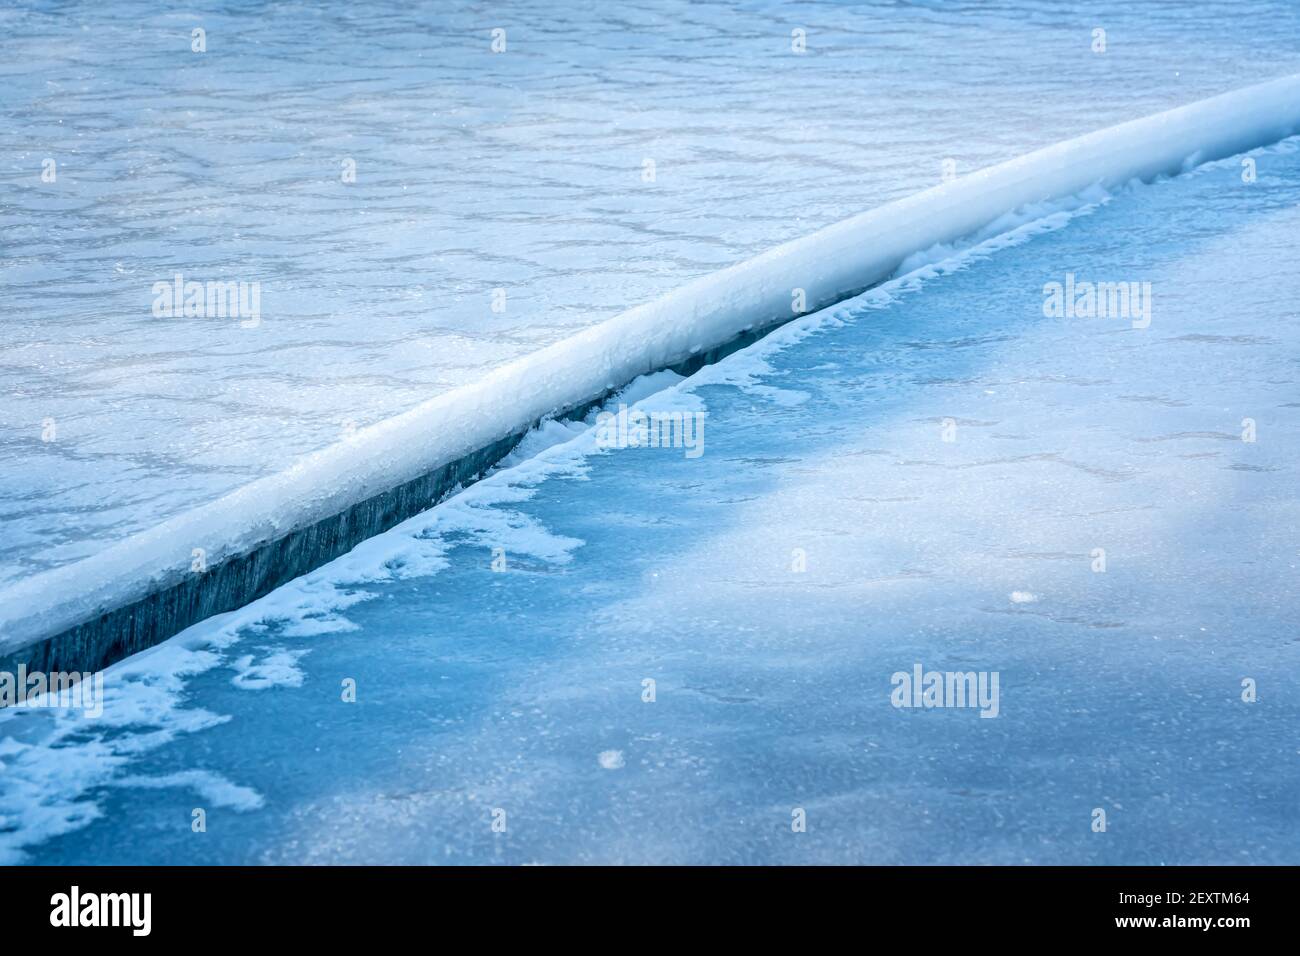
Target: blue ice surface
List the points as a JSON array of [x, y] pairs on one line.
[[522, 689]]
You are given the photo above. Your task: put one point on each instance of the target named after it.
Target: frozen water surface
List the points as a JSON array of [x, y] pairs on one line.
[[475, 171], [521, 689]]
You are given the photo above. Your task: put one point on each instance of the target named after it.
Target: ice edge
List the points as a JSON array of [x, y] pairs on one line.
[[137, 593]]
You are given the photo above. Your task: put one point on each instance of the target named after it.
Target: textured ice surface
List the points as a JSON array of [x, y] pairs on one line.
[[822, 268], [475, 171], [521, 689]]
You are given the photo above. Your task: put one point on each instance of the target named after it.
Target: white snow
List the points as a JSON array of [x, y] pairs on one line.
[[828, 265], [611, 759], [59, 777]]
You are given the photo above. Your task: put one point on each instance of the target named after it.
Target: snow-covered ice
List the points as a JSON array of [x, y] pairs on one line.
[[631, 655], [522, 171], [817, 270]]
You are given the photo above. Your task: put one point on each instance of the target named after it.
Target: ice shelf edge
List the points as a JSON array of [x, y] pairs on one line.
[[138, 592]]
